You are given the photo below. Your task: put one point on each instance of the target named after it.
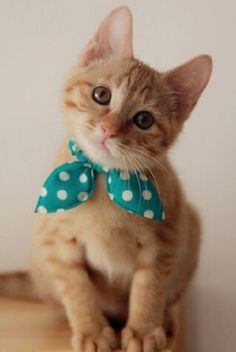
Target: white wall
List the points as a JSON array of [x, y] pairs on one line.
[[39, 40]]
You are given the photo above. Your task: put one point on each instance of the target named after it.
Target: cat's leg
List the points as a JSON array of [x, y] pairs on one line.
[[144, 330], [188, 261], [90, 329], [63, 261]]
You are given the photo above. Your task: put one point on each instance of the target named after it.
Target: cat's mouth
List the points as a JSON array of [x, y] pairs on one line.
[[103, 152], [110, 153], [102, 145], [110, 147]]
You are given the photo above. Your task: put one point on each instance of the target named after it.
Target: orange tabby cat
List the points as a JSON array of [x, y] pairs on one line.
[[99, 261]]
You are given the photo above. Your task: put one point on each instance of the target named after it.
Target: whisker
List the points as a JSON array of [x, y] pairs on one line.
[[142, 162], [133, 162], [139, 150], [155, 180], [152, 174], [136, 166]]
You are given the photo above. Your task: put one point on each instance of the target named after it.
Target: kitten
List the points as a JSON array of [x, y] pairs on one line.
[[98, 260]]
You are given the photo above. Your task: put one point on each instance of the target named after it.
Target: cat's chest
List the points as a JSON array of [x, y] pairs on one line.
[[111, 237], [111, 250]]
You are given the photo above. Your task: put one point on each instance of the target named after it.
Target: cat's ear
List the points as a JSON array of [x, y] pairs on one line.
[[187, 82], [113, 37]]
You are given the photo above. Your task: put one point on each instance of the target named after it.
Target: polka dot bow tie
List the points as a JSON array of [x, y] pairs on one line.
[[71, 184]]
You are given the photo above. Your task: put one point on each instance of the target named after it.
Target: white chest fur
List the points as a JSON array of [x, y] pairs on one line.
[[111, 237], [111, 250]]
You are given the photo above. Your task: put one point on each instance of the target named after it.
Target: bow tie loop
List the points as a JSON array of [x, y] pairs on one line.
[[68, 186]]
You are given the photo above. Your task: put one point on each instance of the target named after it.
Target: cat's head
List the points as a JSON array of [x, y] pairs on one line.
[[123, 113]]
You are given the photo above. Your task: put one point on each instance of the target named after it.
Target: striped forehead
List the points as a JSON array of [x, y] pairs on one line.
[[118, 98], [137, 82]]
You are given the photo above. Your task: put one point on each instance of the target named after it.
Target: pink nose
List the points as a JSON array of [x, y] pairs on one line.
[[109, 131]]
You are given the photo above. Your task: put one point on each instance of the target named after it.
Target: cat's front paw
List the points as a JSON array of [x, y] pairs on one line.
[[102, 341], [133, 341]]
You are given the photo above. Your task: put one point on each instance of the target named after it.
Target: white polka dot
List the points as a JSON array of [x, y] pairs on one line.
[[60, 210], [147, 195], [163, 215], [62, 194], [83, 178], [105, 168], [109, 180], [130, 211], [83, 196], [111, 196], [74, 148], [42, 209], [44, 192], [149, 214], [64, 176], [143, 177], [127, 196], [124, 175]]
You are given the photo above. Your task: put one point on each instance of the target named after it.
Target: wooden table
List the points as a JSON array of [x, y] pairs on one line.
[[38, 327]]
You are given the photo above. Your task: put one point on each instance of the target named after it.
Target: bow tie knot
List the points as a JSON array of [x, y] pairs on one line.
[[73, 183]]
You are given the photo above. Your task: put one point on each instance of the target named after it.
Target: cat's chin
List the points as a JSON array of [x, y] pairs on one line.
[[101, 155]]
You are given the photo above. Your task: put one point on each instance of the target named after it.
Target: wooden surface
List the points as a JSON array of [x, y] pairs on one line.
[[37, 327], [32, 327]]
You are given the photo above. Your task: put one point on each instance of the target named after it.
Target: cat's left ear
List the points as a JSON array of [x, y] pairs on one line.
[[187, 82], [113, 37]]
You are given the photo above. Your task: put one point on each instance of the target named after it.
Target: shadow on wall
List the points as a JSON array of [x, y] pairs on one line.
[[210, 320]]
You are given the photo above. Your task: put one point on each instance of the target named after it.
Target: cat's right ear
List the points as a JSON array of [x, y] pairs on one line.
[[113, 38]]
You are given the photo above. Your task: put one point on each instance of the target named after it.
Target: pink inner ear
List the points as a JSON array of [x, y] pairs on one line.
[[188, 81], [114, 36], [95, 52]]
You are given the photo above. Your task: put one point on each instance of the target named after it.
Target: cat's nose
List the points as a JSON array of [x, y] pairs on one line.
[[109, 131]]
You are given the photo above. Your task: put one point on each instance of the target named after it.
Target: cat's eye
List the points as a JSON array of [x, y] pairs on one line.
[[102, 95], [143, 119]]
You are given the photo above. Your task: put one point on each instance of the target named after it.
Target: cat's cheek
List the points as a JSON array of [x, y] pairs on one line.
[[73, 122], [78, 127]]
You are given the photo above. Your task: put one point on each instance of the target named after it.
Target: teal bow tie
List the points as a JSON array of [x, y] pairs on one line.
[[73, 183]]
